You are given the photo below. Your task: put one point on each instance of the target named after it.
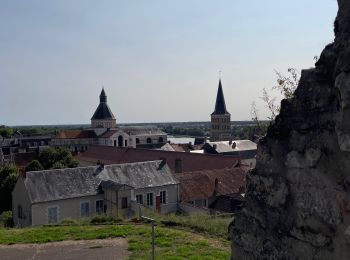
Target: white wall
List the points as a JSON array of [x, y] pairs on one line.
[[69, 208], [20, 198]]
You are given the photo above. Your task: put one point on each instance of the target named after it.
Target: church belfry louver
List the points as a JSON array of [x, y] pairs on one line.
[[220, 119]]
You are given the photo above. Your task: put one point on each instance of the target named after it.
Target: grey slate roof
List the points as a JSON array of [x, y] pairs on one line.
[[220, 106], [142, 130], [245, 149], [58, 184], [103, 111], [139, 175], [240, 145]]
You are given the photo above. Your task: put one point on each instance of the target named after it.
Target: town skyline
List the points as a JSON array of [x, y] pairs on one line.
[[157, 62]]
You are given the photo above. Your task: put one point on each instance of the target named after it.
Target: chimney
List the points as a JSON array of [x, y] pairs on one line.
[[163, 160], [214, 146], [234, 145]]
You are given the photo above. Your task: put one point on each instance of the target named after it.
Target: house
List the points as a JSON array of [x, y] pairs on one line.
[[50, 196], [177, 161], [244, 149], [105, 131], [201, 189]]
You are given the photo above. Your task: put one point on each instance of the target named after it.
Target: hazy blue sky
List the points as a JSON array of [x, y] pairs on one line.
[[158, 60]]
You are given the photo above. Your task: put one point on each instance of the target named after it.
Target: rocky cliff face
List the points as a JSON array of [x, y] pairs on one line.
[[298, 196]]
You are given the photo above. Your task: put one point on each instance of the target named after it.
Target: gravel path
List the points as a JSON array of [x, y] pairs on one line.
[[116, 248]]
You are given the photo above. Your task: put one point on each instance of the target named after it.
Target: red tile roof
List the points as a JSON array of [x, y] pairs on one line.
[[189, 161], [76, 134], [108, 134], [201, 184], [22, 159]]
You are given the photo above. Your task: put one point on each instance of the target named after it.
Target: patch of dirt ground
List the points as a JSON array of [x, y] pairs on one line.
[[116, 248]]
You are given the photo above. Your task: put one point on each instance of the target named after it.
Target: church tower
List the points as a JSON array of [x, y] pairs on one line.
[[220, 119], [103, 116]]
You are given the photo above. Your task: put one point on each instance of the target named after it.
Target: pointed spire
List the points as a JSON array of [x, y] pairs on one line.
[[220, 106], [103, 111], [103, 96]]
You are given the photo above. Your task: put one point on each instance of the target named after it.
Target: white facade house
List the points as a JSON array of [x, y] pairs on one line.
[[50, 196]]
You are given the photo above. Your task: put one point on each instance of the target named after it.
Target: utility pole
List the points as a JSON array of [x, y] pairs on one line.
[[152, 224]]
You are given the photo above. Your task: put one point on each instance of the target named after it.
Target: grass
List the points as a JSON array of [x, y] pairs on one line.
[[170, 243], [202, 223]]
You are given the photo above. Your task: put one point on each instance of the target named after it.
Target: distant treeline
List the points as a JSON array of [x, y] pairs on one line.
[[240, 129]]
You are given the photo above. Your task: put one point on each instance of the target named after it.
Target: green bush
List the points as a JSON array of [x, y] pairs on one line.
[[103, 219], [34, 165], [69, 222], [6, 219]]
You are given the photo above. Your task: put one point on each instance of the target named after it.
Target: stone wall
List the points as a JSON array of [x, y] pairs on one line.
[[298, 196]]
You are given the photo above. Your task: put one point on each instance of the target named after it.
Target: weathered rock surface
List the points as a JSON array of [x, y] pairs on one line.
[[298, 196]]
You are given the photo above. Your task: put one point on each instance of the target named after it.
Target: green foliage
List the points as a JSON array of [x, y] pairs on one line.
[[103, 219], [51, 158], [58, 165], [187, 131], [8, 178], [34, 165], [6, 131], [198, 222], [6, 219]]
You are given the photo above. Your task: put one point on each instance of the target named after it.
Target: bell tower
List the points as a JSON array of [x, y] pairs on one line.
[[103, 116], [220, 119]]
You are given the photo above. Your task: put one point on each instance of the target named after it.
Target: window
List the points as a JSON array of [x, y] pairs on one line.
[[163, 197], [120, 141], [149, 199], [160, 140], [126, 142], [99, 206], [52, 215], [84, 209], [149, 140], [124, 202], [137, 140], [139, 198], [204, 203], [19, 211]]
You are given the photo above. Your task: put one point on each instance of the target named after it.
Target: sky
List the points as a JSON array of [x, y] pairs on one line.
[[158, 60]]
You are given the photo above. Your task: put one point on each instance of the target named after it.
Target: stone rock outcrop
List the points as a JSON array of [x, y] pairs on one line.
[[298, 196]]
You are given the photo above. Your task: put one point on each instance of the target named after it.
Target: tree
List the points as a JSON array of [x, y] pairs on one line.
[[57, 158], [286, 85], [34, 165], [8, 178], [6, 131]]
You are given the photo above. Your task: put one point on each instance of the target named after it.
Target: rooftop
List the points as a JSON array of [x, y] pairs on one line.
[[220, 106], [103, 111], [76, 134], [201, 184], [189, 161], [58, 184]]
